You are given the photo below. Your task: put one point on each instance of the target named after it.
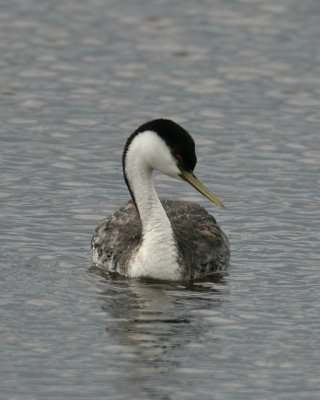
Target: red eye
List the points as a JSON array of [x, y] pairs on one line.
[[178, 157]]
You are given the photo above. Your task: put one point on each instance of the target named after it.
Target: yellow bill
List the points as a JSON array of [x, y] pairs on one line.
[[190, 178]]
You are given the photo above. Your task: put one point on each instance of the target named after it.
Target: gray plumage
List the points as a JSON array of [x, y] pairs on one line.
[[203, 248]]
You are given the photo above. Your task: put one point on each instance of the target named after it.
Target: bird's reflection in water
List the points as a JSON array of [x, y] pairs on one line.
[[161, 326]]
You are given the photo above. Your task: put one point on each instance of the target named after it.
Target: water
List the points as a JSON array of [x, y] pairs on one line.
[[76, 79]]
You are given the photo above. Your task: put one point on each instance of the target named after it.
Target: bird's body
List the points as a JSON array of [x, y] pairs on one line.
[[203, 247], [168, 240]]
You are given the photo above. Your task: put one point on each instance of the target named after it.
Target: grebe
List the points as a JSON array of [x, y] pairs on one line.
[[169, 239]]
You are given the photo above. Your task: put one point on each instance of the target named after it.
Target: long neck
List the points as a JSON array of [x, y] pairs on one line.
[[146, 199], [157, 256]]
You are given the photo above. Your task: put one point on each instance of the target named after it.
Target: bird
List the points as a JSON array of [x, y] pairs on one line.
[[167, 240]]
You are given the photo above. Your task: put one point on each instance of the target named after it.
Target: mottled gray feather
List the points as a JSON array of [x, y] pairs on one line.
[[203, 247]]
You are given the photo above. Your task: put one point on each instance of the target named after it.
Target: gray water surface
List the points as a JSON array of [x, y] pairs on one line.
[[76, 78]]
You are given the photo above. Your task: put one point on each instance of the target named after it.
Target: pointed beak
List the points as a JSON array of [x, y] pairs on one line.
[[190, 178]]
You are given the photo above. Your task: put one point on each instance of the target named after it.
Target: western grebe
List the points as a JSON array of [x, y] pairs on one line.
[[169, 239]]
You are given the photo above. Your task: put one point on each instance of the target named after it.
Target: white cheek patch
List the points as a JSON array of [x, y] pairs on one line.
[[148, 146]]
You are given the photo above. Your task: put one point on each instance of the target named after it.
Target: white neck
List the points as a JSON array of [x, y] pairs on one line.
[[157, 256]]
